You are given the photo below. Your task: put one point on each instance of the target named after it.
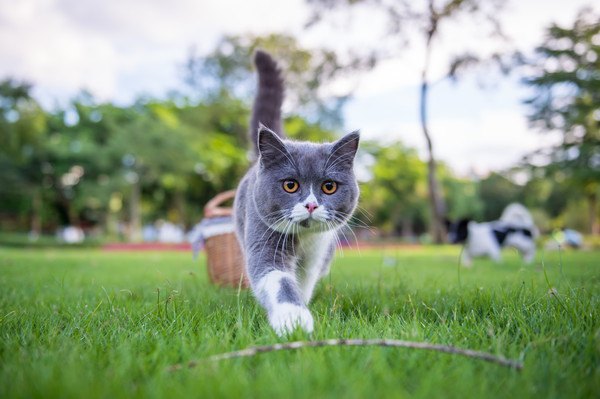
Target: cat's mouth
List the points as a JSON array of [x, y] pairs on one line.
[[314, 223], [319, 220], [306, 223]]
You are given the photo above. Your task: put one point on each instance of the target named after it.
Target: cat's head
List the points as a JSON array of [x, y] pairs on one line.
[[304, 186]]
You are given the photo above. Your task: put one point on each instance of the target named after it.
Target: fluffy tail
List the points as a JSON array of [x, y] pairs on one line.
[[269, 98]]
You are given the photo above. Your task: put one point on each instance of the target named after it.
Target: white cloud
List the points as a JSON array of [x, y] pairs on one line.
[[39, 44], [118, 49], [63, 45], [524, 23], [493, 140]]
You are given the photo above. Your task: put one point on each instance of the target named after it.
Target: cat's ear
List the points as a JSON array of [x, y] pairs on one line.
[[271, 149], [344, 150]]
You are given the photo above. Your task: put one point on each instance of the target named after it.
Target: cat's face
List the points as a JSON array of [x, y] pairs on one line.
[[305, 186]]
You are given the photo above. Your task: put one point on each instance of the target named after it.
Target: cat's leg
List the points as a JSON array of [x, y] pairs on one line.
[[309, 279], [271, 271], [316, 263], [280, 295]]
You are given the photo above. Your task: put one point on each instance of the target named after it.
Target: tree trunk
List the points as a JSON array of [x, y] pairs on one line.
[[36, 215], [437, 205], [179, 202], [407, 230], [593, 207], [135, 218], [71, 215]]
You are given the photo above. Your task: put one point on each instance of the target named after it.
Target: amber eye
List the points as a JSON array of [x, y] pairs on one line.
[[329, 187], [290, 186]]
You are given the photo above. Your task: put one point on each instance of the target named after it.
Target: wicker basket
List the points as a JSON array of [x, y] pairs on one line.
[[225, 262]]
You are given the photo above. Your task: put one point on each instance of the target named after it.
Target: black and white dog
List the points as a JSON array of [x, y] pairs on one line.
[[515, 228]]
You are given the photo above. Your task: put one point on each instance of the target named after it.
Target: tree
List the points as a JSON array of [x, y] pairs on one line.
[[22, 143], [227, 72], [496, 192], [395, 200], [93, 164], [428, 19], [462, 195], [564, 74]]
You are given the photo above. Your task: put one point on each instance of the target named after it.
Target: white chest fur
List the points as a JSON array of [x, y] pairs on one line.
[[313, 254]]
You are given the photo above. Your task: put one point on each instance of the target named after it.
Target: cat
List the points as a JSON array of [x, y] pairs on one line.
[[289, 206]]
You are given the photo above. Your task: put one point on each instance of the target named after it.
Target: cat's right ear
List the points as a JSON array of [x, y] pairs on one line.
[[271, 149], [344, 150]]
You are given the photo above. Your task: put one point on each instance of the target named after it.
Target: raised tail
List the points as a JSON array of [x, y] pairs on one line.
[[269, 97]]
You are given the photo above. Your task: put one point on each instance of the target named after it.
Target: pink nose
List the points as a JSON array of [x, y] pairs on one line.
[[311, 206]]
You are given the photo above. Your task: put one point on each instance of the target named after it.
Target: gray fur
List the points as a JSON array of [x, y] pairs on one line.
[[288, 292], [287, 248], [269, 97]]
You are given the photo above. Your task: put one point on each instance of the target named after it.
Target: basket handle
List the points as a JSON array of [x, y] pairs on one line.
[[212, 208]]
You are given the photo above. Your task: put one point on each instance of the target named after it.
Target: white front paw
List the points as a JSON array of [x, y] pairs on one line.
[[284, 318]]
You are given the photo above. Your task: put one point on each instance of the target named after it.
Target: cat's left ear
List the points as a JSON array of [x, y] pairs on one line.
[[271, 149], [344, 150]]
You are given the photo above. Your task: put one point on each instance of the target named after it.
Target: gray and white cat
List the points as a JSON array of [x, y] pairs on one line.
[[289, 206]]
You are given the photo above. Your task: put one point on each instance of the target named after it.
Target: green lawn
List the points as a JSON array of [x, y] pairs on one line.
[[84, 323]]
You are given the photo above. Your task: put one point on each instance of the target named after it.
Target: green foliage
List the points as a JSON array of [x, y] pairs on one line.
[[93, 164], [426, 18], [573, 216], [80, 158], [228, 71], [298, 128], [463, 197], [497, 191], [565, 78], [395, 194], [23, 140], [96, 324]]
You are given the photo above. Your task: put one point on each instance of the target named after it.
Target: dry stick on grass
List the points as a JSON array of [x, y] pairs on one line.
[[252, 351]]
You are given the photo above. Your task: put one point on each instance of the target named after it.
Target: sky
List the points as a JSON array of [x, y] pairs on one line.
[[121, 49]]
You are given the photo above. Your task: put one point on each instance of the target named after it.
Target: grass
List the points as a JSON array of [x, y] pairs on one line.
[[85, 323], [23, 240]]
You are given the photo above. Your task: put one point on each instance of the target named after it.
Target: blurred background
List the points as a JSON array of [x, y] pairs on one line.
[[120, 120]]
